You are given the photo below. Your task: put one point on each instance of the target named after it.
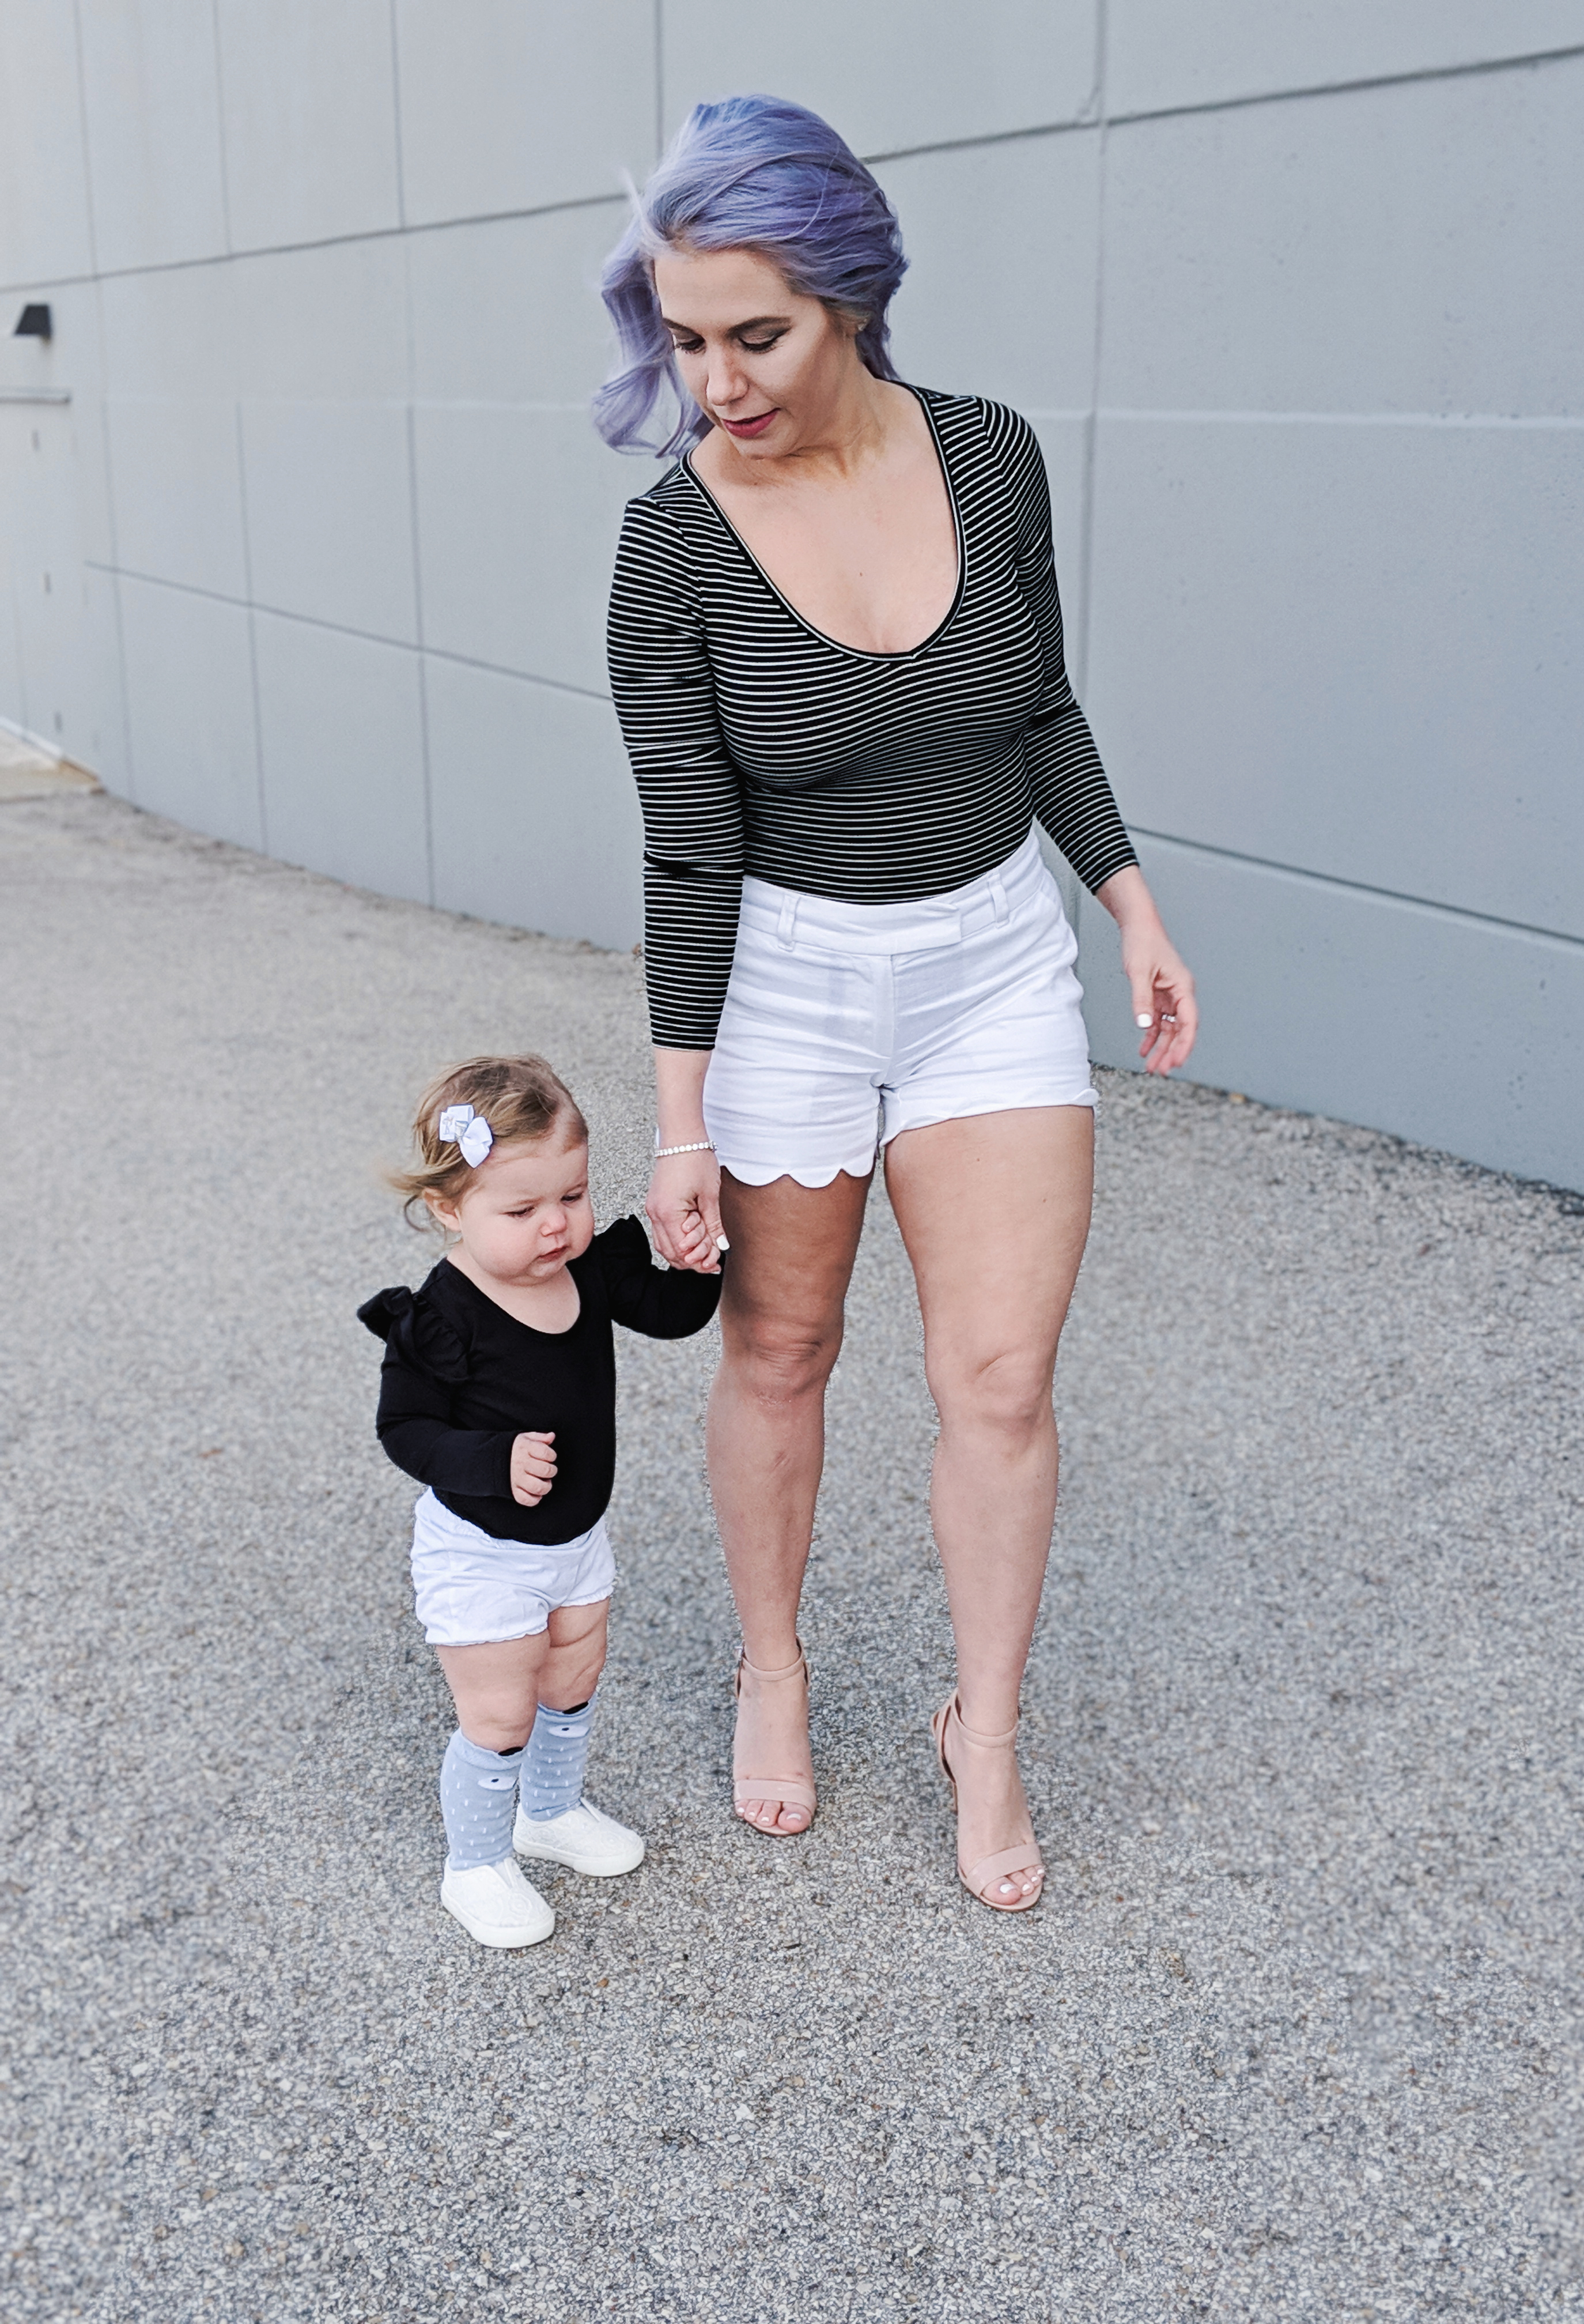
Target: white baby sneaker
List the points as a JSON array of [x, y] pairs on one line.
[[584, 1837], [496, 1905]]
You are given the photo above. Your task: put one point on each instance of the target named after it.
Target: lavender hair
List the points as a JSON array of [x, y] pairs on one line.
[[748, 173]]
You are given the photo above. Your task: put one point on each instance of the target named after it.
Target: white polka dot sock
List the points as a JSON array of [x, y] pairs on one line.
[[478, 1799], [556, 1759]]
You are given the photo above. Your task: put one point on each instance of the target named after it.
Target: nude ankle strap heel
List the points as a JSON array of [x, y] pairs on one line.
[[791, 1791], [979, 1879]]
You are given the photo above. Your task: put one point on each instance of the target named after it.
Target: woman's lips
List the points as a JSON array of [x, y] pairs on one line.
[[749, 428]]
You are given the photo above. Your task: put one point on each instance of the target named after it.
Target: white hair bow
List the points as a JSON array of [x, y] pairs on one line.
[[470, 1130]]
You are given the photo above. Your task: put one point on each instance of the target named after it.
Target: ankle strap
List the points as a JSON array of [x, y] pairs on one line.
[[990, 1742], [791, 1670]]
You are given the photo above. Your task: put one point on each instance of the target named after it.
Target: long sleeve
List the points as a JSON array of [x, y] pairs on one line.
[[662, 1304], [1071, 796], [415, 1427], [687, 786]]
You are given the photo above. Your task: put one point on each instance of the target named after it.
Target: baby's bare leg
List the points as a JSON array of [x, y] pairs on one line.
[[495, 1688], [576, 1654]]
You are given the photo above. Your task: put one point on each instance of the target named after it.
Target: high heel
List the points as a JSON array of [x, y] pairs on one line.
[[791, 1791], [979, 1878]]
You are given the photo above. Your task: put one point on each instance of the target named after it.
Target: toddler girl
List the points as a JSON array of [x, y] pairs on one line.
[[497, 1392]]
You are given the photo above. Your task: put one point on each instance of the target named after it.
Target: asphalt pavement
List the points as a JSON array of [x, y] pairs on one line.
[[1294, 2031]]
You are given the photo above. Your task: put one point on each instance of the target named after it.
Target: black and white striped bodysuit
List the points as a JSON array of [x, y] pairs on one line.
[[762, 746]]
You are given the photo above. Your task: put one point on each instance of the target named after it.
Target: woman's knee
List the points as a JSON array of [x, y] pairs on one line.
[[781, 1359], [1005, 1392]]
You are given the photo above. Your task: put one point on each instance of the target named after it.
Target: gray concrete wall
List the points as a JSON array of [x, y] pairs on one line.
[[1294, 296]]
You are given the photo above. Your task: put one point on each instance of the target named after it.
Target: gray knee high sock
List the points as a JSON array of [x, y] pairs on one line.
[[478, 1798], [555, 1760]]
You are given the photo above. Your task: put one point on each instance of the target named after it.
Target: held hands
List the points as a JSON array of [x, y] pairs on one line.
[[534, 1466], [684, 1208]]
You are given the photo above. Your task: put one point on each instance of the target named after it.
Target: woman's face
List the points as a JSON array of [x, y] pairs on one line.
[[766, 363]]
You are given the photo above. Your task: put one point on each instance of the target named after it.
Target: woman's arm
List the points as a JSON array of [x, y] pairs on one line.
[[692, 803], [688, 789], [1071, 796], [1163, 1005], [1073, 799], [684, 1204]]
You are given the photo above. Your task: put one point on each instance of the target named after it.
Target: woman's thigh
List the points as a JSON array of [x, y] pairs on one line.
[[791, 1259], [994, 1210]]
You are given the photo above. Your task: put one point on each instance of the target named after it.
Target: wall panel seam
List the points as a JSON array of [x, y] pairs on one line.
[[220, 123], [346, 630], [87, 159], [1421, 73], [1357, 887], [1078, 124], [252, 642], [396, 124], [1086, 533], [1559, 422], [317, 242]]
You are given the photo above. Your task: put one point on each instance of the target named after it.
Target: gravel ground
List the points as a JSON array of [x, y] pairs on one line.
[[1293, 2035]]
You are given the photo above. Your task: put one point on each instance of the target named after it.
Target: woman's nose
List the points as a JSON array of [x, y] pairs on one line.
[[724, 381]]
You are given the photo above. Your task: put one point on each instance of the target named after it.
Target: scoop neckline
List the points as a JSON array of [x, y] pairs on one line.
[[480, 1293], [839, 645]]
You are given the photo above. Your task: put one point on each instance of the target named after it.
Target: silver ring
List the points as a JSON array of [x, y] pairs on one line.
[[1165, 1020]]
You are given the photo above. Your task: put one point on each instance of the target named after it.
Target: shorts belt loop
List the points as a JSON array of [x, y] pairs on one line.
[[787, 926], [998, 896]]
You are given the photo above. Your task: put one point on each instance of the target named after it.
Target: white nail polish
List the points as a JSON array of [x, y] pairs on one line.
[[1144, 1023], [722, 1244]]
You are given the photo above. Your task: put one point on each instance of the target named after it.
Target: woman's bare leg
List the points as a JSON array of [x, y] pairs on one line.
[[995, 1213], [792, 1253]]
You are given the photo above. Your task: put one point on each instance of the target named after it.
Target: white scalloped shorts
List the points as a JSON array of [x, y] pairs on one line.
[[470, 1590], [846, 1023]]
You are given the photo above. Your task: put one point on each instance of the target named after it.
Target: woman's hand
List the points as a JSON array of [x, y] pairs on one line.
[[683, 1203], [534, 1466], [1163, 1005], [684, 1209]]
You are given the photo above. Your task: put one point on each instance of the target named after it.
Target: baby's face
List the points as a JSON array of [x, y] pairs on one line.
[[526, 1212]]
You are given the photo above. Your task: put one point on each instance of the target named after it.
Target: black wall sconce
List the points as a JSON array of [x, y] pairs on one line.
[[35, 323]]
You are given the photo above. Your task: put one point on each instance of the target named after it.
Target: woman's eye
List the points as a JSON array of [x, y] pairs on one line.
[[760, 347]]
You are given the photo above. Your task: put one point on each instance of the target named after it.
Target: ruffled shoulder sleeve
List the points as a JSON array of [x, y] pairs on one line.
[[415, 1332]]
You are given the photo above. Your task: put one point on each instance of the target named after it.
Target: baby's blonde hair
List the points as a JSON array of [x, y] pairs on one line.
[[522, 1099]]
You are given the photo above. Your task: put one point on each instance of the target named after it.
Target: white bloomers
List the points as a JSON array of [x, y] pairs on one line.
[[471, 1589], [846, 1023]]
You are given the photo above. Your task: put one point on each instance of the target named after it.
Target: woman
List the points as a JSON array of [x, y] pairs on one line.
[[836, 654]]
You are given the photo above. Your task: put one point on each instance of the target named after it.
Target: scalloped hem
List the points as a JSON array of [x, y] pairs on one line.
[[766, 1173]]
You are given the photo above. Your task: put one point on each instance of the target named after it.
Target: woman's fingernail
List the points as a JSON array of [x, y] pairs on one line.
[[722, 1244], [1143, 1023]]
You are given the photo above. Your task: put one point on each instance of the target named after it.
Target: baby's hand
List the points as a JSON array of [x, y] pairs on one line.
[[534, 1466]]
